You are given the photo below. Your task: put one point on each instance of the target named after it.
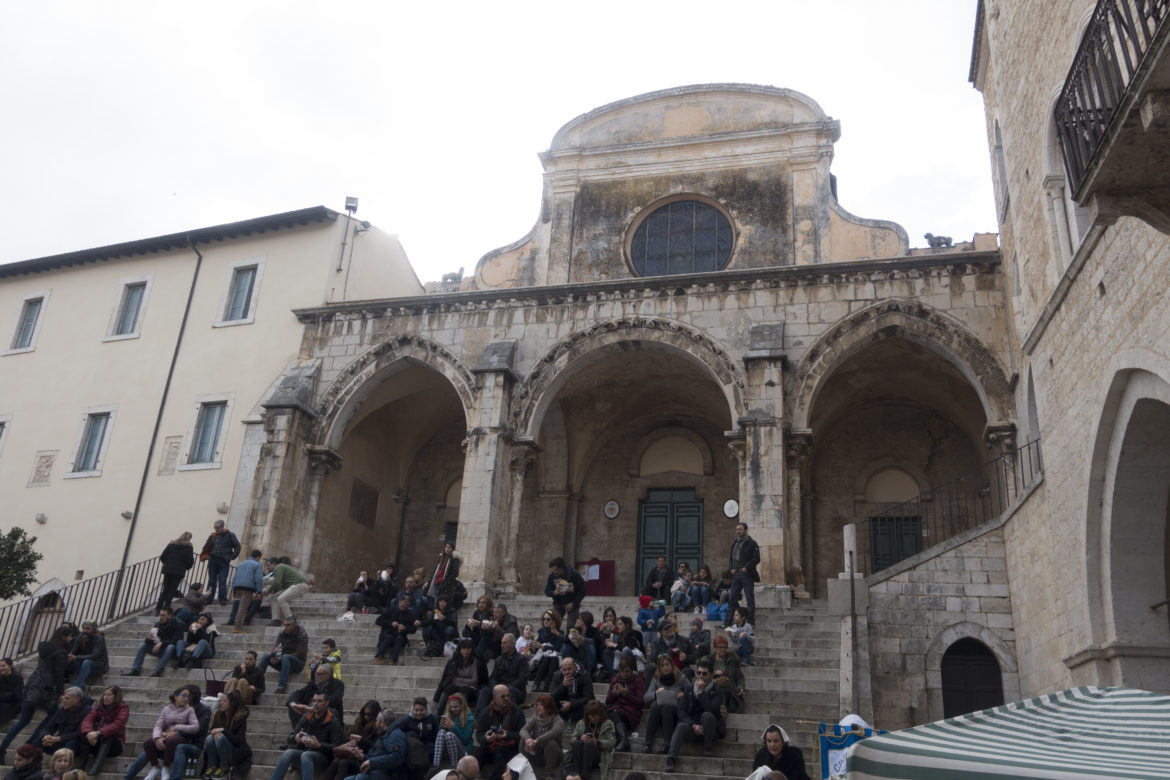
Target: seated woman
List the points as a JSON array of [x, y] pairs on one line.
[[701, 588], [666, 688], [103, 731], [59, 764], [199, 644], [592, 743], [247, 679], [11, 690], [175, 724], [779, 753], [727, 673], [362, 597], [456, 737], [545, 663], [743, 636], [624, 701], [226, 748], [465, 673], [482, 613], [348, 757], [680, 591], [439, 626], [542, 738], [26, 764]]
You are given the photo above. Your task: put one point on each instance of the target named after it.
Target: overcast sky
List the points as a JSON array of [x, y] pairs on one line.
[[126, 120]]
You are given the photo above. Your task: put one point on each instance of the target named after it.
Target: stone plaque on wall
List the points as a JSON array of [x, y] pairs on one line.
[[42, 468], [172, 446]]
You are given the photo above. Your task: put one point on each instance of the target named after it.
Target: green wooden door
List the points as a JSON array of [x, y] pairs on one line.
[[670, 524]]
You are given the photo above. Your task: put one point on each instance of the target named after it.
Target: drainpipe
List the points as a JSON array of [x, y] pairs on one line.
[[162, 404]]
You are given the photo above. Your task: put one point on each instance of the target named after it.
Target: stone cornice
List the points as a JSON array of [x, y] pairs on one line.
[[961, 263]]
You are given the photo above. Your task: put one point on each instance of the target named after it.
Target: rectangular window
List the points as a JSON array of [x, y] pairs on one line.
[[208, 426], [92, 439], [128, 310], [27, 327], [240, 295]]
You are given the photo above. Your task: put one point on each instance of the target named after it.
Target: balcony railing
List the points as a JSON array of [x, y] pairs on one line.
[[104, 598], [957, 506], [1111, 51]]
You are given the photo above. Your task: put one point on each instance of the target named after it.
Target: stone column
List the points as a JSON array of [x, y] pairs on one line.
[[484, 500], [521, 460], [762, 474], [799, 503]]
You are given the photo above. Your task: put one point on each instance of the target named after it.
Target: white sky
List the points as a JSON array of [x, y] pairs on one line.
[[126, 120]]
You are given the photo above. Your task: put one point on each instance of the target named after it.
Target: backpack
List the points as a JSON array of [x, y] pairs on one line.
[[417, 758], [716, 611]]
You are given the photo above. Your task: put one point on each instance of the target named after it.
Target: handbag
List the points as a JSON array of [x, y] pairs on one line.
[[213, 686]]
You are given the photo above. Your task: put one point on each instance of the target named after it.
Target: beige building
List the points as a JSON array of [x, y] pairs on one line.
[[133, 376]]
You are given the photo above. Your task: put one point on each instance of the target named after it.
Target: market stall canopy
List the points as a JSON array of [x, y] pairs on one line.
[[1082, 732]]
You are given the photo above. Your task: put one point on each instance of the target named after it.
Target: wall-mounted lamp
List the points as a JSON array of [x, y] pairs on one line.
[[41, 518], [222, 507], [127, 515]]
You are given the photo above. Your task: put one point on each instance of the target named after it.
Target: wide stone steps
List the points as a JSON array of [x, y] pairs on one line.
[[794, 683]]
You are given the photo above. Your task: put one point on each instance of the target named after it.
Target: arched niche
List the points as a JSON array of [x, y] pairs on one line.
[[672, 448], [948, 637]]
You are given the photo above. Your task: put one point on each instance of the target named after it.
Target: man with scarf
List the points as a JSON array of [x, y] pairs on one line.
[[700, 716], [219, 551], [497, 730]]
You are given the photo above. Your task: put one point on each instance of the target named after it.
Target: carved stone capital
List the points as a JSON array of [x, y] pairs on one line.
[[322, 458], [797, 445]]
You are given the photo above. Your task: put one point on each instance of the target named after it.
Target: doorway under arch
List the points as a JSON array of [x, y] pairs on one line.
[[971, 678]]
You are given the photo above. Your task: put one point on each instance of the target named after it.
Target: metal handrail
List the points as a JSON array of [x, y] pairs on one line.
[[1111, 52], [959, 505], [105, 598]]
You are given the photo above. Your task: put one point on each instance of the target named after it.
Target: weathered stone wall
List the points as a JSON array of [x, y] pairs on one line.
[[915, 615]]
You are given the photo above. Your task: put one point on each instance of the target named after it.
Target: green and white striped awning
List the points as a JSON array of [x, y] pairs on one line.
[[1081, 732]]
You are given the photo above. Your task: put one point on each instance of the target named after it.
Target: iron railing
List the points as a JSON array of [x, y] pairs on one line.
[[1117, 38], [943, 513], [105, 598]]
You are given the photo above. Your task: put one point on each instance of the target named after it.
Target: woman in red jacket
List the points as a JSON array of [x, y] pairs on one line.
[[103, 731]]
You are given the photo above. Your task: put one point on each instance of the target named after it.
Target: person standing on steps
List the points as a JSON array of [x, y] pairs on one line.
[[246, 587], [220, 549], [745, 557], [177, 559]]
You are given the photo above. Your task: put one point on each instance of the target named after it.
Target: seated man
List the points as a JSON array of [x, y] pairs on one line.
[[572, 689], [492, 631], [88, 656], [510, 669], [398, 622], [192, 604], [418, 598], [700, 716], [159, 642], [289, 654], [466, 769], [300, 703], [312, 741], [497, 732], [658, 581], [62, 729], [672, 643], [566, 588], [386, 760]]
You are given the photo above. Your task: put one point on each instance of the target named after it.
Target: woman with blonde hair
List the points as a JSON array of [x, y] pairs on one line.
[[456, 737], [59, 764], [177, 559]]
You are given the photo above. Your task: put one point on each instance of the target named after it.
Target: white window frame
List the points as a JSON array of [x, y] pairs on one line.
[[5, 424], [189, 440], [123, 284], [103, 448], [43, 295], [225, 296]]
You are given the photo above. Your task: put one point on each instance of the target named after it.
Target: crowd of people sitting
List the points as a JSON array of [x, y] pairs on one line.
[[594, 682]]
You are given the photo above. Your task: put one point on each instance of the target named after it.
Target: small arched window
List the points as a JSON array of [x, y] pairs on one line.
[[682, 237]]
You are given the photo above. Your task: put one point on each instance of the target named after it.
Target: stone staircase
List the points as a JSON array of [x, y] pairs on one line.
[[794, 684]]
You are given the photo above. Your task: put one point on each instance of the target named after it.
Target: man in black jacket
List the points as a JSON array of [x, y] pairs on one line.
[[491, 634], [219, 551], [160, 642], [89, 655], [566, 588], [497, 732], [510, 669], [420, 724], [312, 741], [745, 557], [398, 622], [700, 716], [300, 703], [62, 729], [658, 581]]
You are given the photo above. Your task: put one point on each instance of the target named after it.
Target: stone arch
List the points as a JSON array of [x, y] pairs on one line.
[[635, 461], [914, 322], [948, 636], [358, 379], [873, 467], [550, 373], [1126, 518]]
